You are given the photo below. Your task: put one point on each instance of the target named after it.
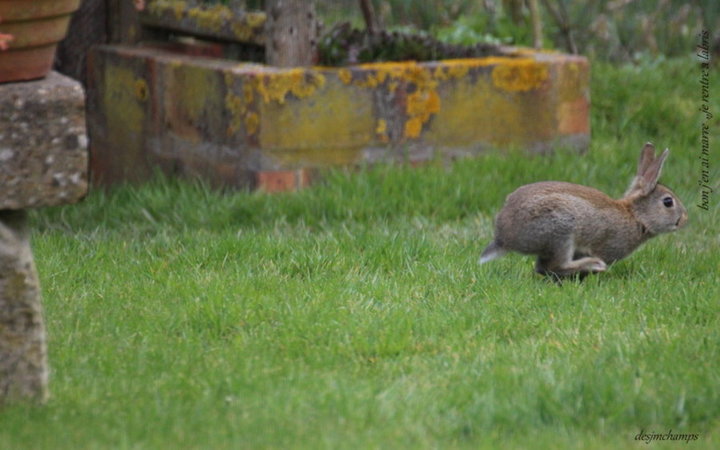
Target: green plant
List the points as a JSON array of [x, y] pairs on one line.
[[601, 29], [469, 30]]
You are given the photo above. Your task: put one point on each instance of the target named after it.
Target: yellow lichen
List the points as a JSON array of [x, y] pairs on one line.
[[413, 127], [210, 18], [345, 76], [440, 73], [255, 19], [381, 131], [266, 86], [141, 89], [237, 109], [520, 76], [299, 82], [239, 106], [248, 93], [377, 73], [160, 6], [424, 100], [214, 18], [241, 32], [420, 83], [423, 103], [249, 26], [252, 122], [381, 127], [241, 115], [179, 9], [457, 70], [270, 87], [421, 77]]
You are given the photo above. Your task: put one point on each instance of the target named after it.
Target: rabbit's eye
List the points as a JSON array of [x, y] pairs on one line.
[[668, 202]]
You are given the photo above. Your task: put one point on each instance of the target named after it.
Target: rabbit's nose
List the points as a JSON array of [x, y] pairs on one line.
[[682, 220]]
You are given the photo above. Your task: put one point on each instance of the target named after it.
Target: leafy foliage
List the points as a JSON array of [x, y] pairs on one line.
[[346, 45], [603, 29]]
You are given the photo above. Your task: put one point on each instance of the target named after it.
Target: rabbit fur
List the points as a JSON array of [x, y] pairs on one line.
[[576, 230]]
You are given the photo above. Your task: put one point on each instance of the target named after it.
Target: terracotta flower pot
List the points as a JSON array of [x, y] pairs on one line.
[[37, 26]]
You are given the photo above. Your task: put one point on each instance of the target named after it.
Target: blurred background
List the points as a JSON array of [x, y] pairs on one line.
[[621, 31], [616, 30]]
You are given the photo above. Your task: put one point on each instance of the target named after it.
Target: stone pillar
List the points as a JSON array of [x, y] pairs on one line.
[[23, 354], [43, 162]]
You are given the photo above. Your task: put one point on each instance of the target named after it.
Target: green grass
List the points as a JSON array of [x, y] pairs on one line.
[[354, 314]]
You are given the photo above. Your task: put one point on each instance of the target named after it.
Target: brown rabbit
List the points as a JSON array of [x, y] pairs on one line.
[[575, 229]]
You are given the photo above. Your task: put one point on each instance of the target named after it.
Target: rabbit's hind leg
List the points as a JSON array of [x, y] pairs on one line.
[[559, 262]]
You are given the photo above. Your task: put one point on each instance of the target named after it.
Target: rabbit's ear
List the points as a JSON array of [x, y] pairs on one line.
[[648, 172], [651, 175], [647, 156]]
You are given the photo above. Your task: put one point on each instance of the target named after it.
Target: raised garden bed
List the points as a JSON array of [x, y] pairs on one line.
[[247, 124]]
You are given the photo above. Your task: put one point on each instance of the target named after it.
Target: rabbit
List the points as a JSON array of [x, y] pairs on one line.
[[578, 230]]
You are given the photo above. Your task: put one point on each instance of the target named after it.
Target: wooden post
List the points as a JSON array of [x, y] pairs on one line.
[[124, 26], [291, 33]]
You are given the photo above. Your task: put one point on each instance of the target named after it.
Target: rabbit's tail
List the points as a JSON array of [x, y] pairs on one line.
[[492, 251]]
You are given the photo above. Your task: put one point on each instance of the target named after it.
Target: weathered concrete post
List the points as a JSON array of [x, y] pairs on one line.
[[23, 353], [43, 162]]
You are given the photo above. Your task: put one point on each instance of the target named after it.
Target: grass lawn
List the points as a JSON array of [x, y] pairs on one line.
[[354, 314]]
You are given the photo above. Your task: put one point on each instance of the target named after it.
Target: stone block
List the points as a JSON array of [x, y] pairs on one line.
[[43, 143], [229, 122]]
